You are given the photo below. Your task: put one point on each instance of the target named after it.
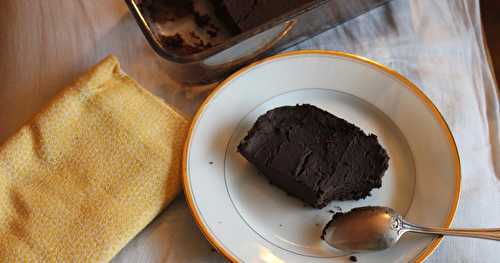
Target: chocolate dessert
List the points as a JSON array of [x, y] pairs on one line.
[[242, 15], [314, 155], [171, 12], [210, 22]]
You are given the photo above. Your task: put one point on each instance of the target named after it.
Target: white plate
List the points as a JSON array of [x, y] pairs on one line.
[[249, 220]]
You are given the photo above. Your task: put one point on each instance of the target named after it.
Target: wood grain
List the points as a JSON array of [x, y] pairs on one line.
[[490, 14]]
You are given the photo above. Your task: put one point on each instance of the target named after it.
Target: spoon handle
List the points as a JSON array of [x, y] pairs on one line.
[[485, 233]]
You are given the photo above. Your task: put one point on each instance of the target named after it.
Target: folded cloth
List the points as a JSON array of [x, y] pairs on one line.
[[88, 172]]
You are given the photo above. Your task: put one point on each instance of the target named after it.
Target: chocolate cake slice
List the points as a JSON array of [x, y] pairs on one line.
[[314, 155], [242, 15]]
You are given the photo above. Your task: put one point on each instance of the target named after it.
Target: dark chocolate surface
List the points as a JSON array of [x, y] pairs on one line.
[[162, 11], [234, 16], [314, 155], [242, 15]]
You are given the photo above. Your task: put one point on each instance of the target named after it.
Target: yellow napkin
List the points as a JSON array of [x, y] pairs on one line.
[[89, 172]]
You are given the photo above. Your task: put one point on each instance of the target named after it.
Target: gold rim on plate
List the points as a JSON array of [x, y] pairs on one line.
[[407, 83]]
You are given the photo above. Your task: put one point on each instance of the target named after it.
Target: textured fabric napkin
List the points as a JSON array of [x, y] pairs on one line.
[[89, 172], [438, 44]]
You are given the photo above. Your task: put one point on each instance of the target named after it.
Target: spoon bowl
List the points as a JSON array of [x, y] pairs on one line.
[[373, 228], [364, 229]]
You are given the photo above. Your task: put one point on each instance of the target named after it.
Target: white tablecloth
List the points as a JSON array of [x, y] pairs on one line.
[[438, 44]]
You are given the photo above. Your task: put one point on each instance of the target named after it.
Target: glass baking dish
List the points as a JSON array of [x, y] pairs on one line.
[[213, 62]]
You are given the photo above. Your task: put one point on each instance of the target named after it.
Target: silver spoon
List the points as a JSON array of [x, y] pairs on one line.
[[372, 228]]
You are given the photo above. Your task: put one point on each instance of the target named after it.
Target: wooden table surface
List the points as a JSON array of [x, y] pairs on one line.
[[490, 14]]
